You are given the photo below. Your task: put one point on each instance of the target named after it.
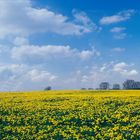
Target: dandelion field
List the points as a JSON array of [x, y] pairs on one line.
[[70, 115]]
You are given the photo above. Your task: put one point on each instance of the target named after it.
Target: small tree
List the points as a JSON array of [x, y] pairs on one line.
[[48, 88]]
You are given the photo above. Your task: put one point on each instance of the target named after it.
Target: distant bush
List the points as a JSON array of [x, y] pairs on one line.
[[83, 89], [48, 88]]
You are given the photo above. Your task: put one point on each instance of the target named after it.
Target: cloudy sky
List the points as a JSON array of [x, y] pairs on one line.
[[68, 44]]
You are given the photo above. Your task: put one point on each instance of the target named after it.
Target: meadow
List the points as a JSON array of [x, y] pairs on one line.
[[70, 115]]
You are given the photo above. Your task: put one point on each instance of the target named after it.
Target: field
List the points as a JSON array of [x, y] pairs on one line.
[[70, 115]]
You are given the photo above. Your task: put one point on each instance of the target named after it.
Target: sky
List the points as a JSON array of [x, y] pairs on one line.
[[68, 44]]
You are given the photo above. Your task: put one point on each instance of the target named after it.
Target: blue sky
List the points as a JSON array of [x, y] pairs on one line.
[[68, 44]]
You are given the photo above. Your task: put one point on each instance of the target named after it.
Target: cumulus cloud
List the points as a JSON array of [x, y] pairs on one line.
[[86, 54], [118, 32], [82, 18], [120, 36], [29, 20], [124, 69], [15, 71], [49, 52], [119, 17], [18, 41], [40, 76], [24, 77], [118, 49], [117, 29]]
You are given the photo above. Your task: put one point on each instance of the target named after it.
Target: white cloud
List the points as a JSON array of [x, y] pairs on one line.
[[117, 29], [49, 52], [40, 76], [118, 32], [20, 41], [24, 77], [120, 66], [119, 17], [124, 69], [82, 18], [16, 71], [86, 54], [120, 36], [118, 49], [20, 18]]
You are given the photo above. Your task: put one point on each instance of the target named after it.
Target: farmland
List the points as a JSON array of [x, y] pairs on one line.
[[70, 115]]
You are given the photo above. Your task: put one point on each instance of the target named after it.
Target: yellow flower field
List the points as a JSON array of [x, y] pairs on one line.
[[70, 115]]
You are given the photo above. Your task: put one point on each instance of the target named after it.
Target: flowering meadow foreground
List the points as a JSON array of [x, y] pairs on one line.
[[70, 115]]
